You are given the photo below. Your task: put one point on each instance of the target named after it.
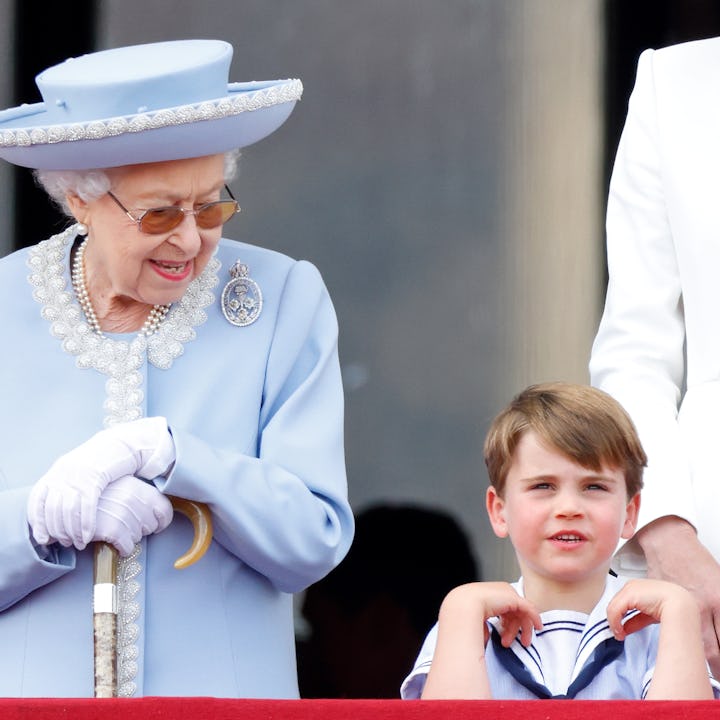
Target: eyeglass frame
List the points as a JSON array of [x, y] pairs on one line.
[[185, 212]]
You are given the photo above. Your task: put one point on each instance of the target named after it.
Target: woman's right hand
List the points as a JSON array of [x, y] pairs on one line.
[[128, 510], [674, 553]]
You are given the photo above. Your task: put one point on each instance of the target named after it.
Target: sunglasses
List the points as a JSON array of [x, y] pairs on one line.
[[159, 220]]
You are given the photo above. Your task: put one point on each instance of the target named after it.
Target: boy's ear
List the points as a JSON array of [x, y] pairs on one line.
[[495, 506], [631, 517]]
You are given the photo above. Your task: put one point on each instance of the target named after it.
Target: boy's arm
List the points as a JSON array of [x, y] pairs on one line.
[[681, 672], [458, 669]]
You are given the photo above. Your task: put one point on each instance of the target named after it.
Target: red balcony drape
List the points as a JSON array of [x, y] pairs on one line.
[[224, 709]]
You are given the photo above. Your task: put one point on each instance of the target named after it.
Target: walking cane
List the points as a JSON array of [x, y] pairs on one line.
[[105, 592]]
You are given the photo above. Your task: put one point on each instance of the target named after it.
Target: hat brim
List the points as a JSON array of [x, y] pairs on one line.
[[249, 112]]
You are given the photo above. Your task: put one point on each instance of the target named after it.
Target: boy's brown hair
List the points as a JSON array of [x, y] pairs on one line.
[[582, 422]]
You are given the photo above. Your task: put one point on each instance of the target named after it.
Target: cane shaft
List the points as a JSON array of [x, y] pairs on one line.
[[105, 602], [105, 620]]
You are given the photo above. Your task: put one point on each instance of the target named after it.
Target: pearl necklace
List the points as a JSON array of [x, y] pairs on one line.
[[152, 322]]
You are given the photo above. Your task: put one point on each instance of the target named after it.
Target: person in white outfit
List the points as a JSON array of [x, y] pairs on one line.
[[657, 350]]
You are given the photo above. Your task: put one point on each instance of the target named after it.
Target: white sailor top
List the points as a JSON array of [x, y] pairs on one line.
[[574, 656]]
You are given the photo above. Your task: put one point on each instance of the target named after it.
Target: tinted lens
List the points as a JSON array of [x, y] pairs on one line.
[[215, 213], [211, 215], [161, 220]]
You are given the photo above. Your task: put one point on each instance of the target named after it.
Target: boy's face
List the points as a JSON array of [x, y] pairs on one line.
[[564, 520]]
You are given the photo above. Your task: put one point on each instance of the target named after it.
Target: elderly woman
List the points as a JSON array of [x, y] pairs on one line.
[[146, 357]]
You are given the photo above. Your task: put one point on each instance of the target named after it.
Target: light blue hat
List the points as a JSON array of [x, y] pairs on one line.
[[142, 103]]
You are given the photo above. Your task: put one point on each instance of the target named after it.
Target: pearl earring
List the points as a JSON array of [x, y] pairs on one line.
[[81, 229]]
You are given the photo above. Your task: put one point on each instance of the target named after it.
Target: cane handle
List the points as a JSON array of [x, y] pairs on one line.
[[199, 515]]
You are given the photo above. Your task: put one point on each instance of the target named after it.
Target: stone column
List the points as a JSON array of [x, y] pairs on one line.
[[553, 195]]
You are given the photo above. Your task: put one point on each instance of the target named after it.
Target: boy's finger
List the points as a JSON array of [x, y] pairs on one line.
[[527, 632], [638, 622], [510, 628]]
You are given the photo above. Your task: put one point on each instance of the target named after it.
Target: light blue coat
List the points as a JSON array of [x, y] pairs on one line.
[[256, 413]]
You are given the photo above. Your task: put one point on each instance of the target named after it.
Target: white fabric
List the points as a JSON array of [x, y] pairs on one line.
[[62, 505], [626, 677], [555, 647], [128, 510], [659, 332]]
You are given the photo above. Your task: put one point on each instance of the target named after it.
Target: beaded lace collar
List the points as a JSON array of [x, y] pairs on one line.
[[121, 361]]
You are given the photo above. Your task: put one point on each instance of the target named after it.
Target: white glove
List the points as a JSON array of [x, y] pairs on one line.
[[129, 509], [63, 503]]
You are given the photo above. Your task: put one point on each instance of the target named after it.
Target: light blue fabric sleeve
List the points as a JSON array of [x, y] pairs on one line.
[[281, 506], [23, 567]]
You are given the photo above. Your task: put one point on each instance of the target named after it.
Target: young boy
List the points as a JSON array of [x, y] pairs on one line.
[[565, 467]]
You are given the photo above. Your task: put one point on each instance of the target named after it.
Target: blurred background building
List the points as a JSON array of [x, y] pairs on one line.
[[446, 170]]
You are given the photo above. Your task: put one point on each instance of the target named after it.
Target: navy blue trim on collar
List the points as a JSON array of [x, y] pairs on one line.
[[605, 653]]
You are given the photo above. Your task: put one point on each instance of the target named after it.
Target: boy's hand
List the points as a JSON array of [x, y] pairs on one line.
[[469, 605], [657, 601]]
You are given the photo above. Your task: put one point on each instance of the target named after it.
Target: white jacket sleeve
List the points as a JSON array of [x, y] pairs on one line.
[[638, 354]]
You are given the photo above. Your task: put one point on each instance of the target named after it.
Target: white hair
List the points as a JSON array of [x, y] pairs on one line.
[[90, 185]]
